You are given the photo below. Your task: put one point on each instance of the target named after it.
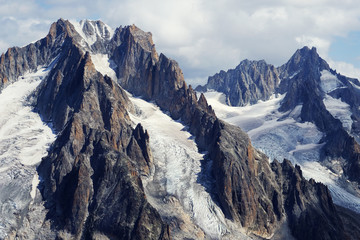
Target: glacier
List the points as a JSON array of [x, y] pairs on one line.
[[178, 186], [280, 135], [24, 140]]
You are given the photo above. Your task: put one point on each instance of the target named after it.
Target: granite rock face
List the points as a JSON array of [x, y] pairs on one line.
[[308, 205], [248, 83], [91, 182]]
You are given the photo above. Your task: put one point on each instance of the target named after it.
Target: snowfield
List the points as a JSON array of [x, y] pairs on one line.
[[104, 65], [24, 140], [280, 135]]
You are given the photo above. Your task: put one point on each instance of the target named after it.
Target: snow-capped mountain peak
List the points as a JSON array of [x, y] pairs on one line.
[[93, 31]]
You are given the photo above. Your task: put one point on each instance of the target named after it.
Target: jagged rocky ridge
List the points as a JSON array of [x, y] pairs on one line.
[[249, 82], [305, 88], [91, 181], [300, 80]]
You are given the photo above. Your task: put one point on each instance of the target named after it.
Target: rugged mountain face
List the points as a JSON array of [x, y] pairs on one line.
[[96, 161], [89, 169], [249, 82], [309, 94], [91, 179], [303, 210], [321, 94], [308, 87], [236, 164]]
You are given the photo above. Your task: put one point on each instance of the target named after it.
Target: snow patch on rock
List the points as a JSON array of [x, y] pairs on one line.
[[329, 81], [339, 110], [104, 65]]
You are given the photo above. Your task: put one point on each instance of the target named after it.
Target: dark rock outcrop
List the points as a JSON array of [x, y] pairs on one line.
[[249, 82], [310, 211]]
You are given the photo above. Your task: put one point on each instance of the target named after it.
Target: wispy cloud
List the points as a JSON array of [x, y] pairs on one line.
[[345, 68]]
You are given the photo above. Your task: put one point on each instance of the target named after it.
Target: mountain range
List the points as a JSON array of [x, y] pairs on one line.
[[125, 149], [311, 92]]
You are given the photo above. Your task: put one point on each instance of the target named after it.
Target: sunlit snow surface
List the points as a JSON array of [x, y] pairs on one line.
[[177, 167], [24, 140], [104, 65], [337, 108], [91, 36], [329, 82], [280, 135]]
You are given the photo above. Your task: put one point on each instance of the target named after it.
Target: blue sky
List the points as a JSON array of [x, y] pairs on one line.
[[207, 36], [346, 49]]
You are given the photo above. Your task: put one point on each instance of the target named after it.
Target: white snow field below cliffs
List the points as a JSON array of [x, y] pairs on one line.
[[24, 140], [174, 188], [280, 135]]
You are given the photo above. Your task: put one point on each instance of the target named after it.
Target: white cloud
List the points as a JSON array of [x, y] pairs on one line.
[[20, 32], [3, 45], [322, 45], [203, 36], [344, 68]]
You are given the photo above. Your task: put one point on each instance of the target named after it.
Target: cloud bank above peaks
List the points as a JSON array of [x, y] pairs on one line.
[[203, 36]]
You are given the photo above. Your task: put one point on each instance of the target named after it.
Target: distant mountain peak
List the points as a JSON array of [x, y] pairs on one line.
[[92, 31], [248, 83], [252, 62], [97, 28], [304, 59]]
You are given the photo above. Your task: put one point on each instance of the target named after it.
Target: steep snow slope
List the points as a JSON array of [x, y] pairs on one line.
[[177, 186], [24, 140], [280, 135], [336, 107], [91, 31], [104, 65], [329, 82]]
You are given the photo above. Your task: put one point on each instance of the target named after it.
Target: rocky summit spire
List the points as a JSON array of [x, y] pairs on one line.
[[249, 82], [304, 58]]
